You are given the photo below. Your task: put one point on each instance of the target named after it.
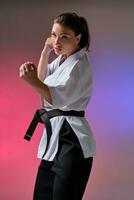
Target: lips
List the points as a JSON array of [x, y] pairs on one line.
[[57, 48]]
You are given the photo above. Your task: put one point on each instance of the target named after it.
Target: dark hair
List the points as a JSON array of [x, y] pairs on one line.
[[77, 24]]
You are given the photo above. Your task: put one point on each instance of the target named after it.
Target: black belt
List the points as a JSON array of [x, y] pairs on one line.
[[44, 116]]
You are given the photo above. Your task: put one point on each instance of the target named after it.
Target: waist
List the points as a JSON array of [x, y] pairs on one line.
[[57, 112], [44, 116]]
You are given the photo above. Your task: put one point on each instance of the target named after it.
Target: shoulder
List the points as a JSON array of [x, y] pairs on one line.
[[82, 61]]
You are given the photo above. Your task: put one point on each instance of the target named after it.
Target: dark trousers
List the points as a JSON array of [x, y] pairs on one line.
[[66, 177]]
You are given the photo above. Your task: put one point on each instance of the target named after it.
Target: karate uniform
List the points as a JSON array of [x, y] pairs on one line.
[[65, 167]]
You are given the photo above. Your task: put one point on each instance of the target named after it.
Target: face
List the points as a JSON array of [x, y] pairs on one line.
[[65, 42]]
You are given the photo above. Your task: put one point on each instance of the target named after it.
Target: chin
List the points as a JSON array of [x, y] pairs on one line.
[[58, 52]]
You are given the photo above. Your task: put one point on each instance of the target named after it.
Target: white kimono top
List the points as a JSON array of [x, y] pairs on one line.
[[70, 85]]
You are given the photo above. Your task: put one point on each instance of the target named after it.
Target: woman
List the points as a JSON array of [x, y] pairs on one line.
[[67, 145]]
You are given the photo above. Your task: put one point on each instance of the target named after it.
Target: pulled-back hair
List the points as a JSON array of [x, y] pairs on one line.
[[77, 24]]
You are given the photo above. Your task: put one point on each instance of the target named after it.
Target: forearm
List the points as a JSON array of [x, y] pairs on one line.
[[43, 65], [42, 89], [43, 61]]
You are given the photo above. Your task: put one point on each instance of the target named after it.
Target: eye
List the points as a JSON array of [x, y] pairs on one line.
[[64, 37], [53, 34]]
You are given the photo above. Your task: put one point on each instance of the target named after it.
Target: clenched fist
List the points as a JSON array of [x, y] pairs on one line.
[[28, 72]]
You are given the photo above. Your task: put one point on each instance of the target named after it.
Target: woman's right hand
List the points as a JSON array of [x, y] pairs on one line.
[[48, 47]]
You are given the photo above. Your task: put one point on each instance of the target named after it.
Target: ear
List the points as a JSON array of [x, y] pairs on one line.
[[78, 38]]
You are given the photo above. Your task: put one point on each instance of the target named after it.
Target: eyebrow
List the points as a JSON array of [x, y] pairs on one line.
[[61, 33]]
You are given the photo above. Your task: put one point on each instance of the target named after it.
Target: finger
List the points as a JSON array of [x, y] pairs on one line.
[[22, 73], [32, 67], [28, 63], [23, 69], [27, 67]]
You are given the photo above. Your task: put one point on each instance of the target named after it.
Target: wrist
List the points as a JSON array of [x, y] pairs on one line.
[[46, 51]]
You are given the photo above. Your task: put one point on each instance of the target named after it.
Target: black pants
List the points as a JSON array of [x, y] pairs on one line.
[[66, 177]]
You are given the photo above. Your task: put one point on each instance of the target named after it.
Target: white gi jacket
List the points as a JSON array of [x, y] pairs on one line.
[[70, 86]]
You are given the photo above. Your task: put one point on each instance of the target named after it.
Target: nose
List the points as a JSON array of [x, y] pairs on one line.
[[57, 41]]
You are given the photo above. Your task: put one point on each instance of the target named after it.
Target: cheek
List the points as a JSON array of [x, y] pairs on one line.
[[67, 49], [70, 45]]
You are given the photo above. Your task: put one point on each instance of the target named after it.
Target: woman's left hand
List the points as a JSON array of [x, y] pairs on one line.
[[28, 72]]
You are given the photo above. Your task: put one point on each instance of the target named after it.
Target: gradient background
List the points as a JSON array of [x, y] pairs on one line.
[[23, 30]]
